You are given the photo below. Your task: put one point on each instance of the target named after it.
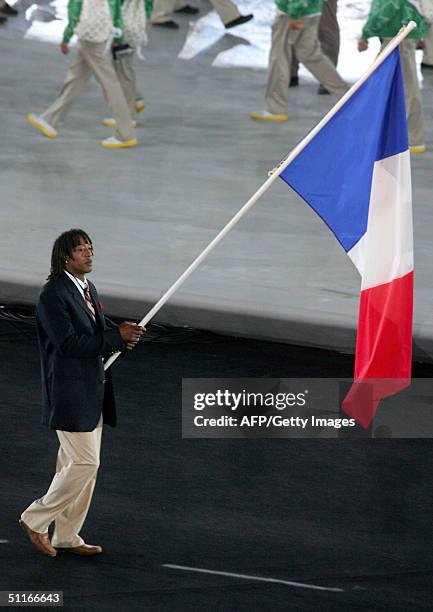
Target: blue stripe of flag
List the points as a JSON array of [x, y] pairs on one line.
[[333, 173]]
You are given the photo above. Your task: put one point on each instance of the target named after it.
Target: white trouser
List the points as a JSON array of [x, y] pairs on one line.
[[68, 499], [305, 43], [124, 67], [428, 47], [91, 59], [412, 91]]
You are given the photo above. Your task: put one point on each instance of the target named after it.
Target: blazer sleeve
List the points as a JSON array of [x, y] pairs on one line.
[[109, 323], [56, 320]]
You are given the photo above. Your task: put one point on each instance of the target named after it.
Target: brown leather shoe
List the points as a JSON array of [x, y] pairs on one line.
[[40, 540], [84, 549]]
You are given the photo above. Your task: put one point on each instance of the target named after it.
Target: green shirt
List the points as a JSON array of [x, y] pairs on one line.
[[149, 7], [74, 12], [297, 9], [387, 17]]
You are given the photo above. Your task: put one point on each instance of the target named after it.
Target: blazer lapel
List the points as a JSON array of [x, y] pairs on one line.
[[79, 300]]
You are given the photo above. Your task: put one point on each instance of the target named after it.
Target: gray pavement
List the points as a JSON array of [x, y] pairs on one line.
[[279, 275]]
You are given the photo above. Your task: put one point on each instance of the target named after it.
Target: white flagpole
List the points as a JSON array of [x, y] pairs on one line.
[[273, 176]]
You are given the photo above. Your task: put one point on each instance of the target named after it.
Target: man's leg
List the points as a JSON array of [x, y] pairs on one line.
[[78, 75], [77, 462], [412, 94], [280, 57], [68, 524], [124, 67], [309, 53], [178, 4], [103, 70], [427, 59], [162, 11], [329, 36], [329, 31], [226, 10], [294, 69]]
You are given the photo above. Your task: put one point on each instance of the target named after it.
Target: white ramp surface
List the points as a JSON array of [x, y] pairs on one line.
[[150, 211]]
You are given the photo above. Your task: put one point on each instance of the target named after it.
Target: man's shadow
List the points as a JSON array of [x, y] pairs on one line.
[[225, 43]]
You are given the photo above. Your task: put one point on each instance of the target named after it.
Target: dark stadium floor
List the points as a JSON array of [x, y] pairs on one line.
[[350, 516]]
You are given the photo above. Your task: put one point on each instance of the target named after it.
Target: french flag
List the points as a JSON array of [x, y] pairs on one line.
[[355, 174]]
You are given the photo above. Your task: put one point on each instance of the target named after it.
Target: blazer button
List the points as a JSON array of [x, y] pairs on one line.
[[104, 381]]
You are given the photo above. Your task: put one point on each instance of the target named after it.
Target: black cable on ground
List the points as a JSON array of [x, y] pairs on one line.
[[20, 319]]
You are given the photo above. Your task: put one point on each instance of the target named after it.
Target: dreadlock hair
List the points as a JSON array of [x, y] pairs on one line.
[[63, 248]]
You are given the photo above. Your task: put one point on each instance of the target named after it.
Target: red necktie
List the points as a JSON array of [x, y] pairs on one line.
[[89, 302]]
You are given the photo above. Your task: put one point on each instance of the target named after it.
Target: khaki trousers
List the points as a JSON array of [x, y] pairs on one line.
[[305, 44], [125, 72], [329, 31], [163, 9], [412, 91], [428, 47], [91, 60], [329, 35], [68, 499], [226, 9]]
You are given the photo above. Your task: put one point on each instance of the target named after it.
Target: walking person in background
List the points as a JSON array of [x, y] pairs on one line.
[[134, 17], [77, 395], [295, 30], [329, 38], [385, 20], [97, 24]]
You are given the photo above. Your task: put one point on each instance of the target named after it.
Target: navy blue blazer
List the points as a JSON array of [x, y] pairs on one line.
[[75, 388]]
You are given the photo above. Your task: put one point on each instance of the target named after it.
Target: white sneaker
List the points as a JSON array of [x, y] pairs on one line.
[[42, 125], [111, 122], [418, 148], [115, 143], [267, 116]]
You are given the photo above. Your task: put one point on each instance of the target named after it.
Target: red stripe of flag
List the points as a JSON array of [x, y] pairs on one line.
[[383, 347]]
